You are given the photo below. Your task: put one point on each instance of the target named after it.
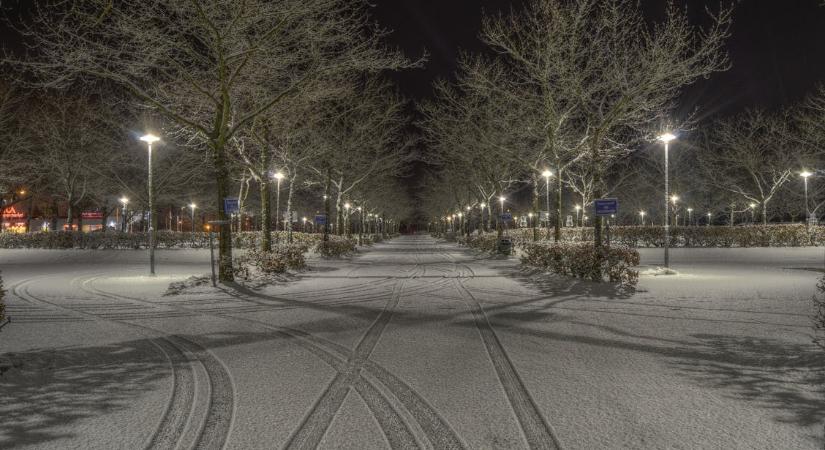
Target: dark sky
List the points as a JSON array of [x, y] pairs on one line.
[[777, 47]]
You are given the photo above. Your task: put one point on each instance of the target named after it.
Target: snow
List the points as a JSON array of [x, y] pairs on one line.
[[414, 342]]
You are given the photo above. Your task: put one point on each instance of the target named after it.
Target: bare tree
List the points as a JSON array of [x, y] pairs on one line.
[[191, 60]]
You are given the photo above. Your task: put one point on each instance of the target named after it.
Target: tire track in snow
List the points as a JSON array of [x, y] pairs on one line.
[[434, 427], [536, 429], [220, 409]]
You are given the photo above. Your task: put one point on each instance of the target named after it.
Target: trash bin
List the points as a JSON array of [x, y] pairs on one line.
[[505, 246]]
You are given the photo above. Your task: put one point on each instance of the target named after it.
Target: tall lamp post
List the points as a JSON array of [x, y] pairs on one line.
[[805, 174], [149, 139], [666, 138], [501, 216], [278, 176], [123, 201], [547, 174], [483, 223], [192, 206], [752, 207], [578, 208], [690, 216], [347, 206], [642, 215]]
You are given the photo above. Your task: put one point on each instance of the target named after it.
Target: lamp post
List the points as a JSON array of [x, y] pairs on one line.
[[149, 139], [675, 198], [805, 174], [501, 216], [124, 201], [642, 215], [690, 216], [278, 176], [483, 223], [578, 208], [469, 209], [547, 174], [347, 206], [666, 138], [710, 216], [752, 207], [192, 206]]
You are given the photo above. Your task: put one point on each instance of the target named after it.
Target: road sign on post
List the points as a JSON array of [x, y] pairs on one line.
[[231, 205], [606, 206], [506, 217], [320, 219]]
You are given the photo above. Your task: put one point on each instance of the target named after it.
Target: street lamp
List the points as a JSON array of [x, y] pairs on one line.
[[124, 201], [578, 208], [278, 177], [805, 174], [666, 138], [752, 207], [547, 174], [347, 206], [710, 216], [483, 224], [642, 215], [501, 216], [690, 216], [149, 139], [192, 206]]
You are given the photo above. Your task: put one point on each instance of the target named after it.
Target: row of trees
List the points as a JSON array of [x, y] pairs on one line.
[[238, 91], [583, 89]]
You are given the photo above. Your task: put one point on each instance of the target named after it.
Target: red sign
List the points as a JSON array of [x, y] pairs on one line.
[[12, 213], [91, 215]]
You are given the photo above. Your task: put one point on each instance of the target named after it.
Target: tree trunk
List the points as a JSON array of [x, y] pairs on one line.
[[69, 212], [338, 208], [557, 227], [764, 213], [225, 272], [266, 212], [288, 221], [536, 214]]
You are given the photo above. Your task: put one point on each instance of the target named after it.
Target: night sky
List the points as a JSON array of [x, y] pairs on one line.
[[777, 47]]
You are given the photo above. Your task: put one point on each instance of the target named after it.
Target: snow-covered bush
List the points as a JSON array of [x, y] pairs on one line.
[[335, 248], [582, 260], [281, 259], [2, 302], [819, 313], [483, 242]]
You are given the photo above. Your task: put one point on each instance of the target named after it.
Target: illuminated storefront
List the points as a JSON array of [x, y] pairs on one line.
[[12, 220]]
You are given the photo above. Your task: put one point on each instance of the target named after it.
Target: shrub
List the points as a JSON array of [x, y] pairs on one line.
[[819, 313], [2, 302], [582, 260], [281, 259], [482, 242], [335, 248]]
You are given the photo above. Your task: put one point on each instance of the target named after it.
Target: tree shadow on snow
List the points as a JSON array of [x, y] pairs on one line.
[[45, 391]]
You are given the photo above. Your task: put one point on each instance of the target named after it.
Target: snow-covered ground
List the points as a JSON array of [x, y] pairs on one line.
[[414, 343]]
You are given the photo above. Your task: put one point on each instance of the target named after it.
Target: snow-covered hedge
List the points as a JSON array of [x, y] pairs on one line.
[[2, 302], [335, 248], [165, 239], [794, 235], [582, 260], [484, 242], [281, 259], [819, 313]]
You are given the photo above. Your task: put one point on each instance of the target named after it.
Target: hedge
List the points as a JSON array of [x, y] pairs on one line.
[[282, 258], [335, 248], [793, 235], [165, 240], [2, 301], [581, 260]]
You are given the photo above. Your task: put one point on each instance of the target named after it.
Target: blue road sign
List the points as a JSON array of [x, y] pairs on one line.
[[321, 219], [605, 206], [506, 216], [231, 205]]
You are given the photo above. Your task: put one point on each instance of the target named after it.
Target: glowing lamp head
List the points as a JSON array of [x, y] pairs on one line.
[[193, 206], [459, 214], [149, 138], [674, 198], [304, 219], [752, 205], [642, 213], [468, 208], [578, 207], [347, 206], [277, 175], [483, 205], [358, 208], [547, 174], [805, 174], [124, 200], [502, 199], [530, 215], [667, 137], [691, 209]]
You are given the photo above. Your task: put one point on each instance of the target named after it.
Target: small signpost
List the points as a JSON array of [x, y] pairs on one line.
[[320, 219], [606, 207], [506, 216], [231, 205], [212, 247]]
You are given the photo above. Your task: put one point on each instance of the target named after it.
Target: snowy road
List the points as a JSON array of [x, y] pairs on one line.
[[412, 344]]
